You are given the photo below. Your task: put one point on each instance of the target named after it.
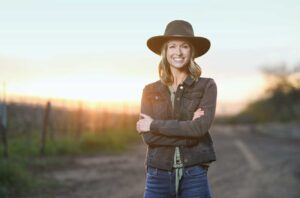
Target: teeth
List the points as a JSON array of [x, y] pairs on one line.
[[178, 59]]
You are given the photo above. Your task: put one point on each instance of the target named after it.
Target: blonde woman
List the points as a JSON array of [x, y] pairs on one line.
[[177, 112]]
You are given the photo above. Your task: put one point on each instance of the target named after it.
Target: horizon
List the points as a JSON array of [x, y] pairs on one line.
[[121, 106]]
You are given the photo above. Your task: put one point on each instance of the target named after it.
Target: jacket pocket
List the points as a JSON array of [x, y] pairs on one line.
[[191, 100], [159, 105]]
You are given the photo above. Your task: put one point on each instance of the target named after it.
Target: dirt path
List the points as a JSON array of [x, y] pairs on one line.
[[249, 164], [109, 176]]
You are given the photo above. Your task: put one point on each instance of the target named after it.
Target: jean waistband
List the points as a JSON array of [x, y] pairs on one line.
[[205, 166]]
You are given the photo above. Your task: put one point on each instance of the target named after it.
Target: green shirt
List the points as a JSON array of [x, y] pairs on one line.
[[178, 165]]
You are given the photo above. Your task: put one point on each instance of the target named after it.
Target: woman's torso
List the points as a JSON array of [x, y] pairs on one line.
[[189, 97]]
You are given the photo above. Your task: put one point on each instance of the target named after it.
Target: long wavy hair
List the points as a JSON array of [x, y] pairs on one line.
[[164, 70]]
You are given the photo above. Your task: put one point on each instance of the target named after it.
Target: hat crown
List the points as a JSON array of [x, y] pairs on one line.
[[179, 28]]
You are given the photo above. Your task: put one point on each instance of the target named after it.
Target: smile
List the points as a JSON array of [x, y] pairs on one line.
[[178, 59]]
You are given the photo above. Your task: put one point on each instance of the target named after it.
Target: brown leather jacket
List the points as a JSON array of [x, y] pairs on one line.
[[170, 129]]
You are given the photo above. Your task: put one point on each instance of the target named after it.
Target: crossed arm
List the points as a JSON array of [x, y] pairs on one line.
[[182, 131]]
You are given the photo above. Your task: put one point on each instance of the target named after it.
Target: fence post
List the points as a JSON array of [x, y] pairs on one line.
[[44, 131], [3, 130], [3, 122]]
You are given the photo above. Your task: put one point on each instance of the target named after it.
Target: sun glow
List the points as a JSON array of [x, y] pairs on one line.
[[80, 89], [118, 96]]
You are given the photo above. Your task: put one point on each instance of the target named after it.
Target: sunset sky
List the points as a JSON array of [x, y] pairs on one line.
[[96, 50]]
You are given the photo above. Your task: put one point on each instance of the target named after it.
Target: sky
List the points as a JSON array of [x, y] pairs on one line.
[[96, 50]]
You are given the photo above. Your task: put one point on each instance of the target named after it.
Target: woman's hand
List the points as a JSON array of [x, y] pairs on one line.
[[198, 113], [143, 125]]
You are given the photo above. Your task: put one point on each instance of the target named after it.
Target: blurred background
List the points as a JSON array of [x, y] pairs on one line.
[[72, 74]]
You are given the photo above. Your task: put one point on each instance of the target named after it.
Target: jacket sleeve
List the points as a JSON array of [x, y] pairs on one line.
[[191, 128], [153, 139]]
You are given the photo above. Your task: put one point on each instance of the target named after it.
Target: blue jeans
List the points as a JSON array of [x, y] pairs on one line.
[[161, 183]]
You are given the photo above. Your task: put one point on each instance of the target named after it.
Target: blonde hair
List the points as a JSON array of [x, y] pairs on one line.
[[164, 70]]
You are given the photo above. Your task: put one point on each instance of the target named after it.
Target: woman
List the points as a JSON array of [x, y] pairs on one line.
[[177, 112]]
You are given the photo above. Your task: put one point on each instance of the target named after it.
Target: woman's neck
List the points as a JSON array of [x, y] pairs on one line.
[[179, 77]]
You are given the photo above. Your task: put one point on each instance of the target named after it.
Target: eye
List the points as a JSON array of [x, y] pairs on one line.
[[186, 46], [171, 46]]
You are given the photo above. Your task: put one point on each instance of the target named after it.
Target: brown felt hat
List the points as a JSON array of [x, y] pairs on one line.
[[179, 29]]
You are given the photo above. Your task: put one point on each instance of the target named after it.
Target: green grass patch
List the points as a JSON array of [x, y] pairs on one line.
[[109, 141], [113, 140], [20, 173], [14, 178]]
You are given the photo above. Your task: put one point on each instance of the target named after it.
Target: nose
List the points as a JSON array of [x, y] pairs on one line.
[[178, 51]]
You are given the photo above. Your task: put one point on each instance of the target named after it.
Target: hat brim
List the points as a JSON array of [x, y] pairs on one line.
[[200, 44]]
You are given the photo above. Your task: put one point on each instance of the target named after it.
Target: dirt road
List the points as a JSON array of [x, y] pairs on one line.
[[248, 165]]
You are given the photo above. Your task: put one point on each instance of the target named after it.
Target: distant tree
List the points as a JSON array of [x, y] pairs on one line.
[[282, 100], [281, 80]]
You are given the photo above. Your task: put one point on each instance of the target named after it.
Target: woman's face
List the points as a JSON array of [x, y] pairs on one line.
[[178, 53]]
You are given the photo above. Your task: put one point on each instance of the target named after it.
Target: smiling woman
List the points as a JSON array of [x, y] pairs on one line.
[[177, 112]]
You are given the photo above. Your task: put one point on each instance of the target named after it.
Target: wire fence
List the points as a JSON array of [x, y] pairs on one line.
[[53, 119]]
